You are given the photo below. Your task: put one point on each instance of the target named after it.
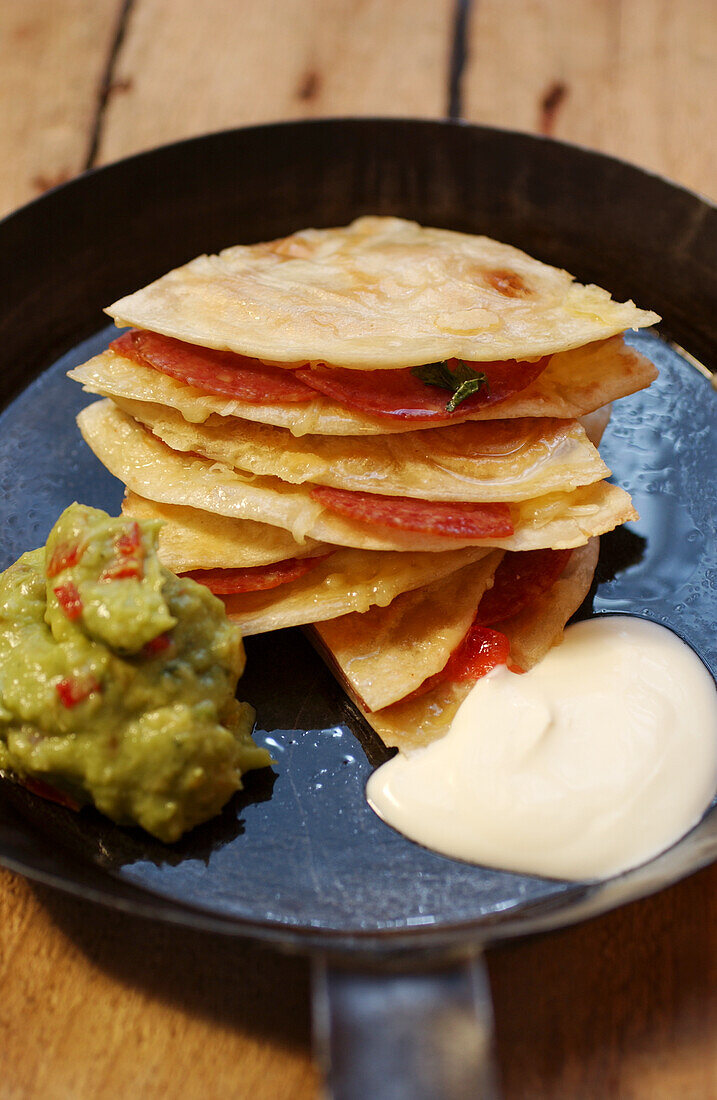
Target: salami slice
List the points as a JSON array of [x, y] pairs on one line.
[[466, 521], [394, 394], [398, 394], [519, 579], [258, 578], [481, 650], [217, 372]]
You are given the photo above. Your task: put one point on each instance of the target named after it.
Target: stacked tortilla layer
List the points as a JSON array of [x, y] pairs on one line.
[[371, 429]]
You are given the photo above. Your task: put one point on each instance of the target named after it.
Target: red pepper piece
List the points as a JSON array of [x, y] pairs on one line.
[[69, 599], [117, 571], [129, 556], [157, 645], [73, 690], [64, 556], [52, 794], [129, 541]]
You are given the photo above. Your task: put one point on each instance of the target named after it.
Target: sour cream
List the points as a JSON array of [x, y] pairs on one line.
[[596, 760]]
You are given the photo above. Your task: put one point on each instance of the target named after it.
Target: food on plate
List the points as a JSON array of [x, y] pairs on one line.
[[597, 760], [151, 469], [117, 679], [572, 384], [340, 579], [413, 414], [409, 667]]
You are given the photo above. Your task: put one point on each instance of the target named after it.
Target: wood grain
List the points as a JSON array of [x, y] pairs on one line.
[[636, 78], [624, 1006], [96, 1004], [53, 55], [183, 71]]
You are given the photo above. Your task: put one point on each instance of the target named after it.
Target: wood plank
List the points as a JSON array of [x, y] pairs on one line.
[[52, 62], [100, 1004], [637, 79], [624, 1006], [258, 61]]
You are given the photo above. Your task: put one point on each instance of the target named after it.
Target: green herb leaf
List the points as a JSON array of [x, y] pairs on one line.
[[462, 380], [467, 389], [435, 374]]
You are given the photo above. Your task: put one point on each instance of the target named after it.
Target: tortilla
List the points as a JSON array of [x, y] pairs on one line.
[[504, 460], [347, 581], [386, 653], [573, 384], [416, 722], [379, 293], [152, 470], [595, 424], [193, 539]]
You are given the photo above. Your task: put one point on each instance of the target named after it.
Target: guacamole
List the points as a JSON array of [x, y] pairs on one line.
[[117, 678]]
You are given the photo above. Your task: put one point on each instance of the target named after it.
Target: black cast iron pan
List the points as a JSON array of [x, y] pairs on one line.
[[298, 859]]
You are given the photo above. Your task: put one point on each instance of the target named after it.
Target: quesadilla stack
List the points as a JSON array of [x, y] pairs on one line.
[[375, 430]]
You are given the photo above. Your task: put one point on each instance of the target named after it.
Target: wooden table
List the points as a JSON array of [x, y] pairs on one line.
[[99, 1005]]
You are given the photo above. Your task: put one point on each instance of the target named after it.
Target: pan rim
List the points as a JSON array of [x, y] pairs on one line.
[[444, 936]]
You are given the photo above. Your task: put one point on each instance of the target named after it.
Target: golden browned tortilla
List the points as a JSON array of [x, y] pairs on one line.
[[151, 469], [342, 580], [505, 460], [348, 581], [191, 538], [385, 654], [379, 293]]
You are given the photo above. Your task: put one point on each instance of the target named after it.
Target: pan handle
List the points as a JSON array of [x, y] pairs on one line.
[[405, 1034]]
